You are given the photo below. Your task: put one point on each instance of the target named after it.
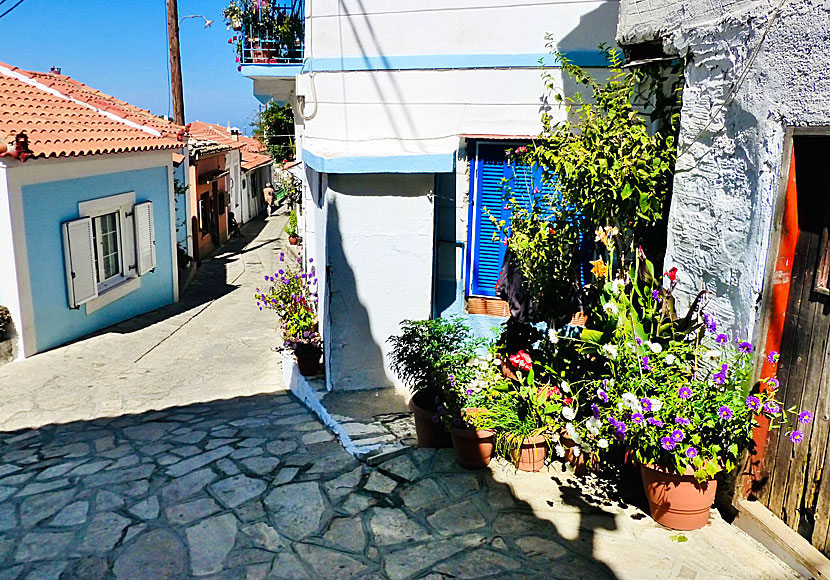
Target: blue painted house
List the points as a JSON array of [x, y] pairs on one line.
[[87, 231]]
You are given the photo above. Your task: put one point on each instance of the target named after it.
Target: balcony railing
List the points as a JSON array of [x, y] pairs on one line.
[[274, 34]]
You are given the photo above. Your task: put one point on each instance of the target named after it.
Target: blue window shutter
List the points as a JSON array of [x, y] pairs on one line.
[[488, 254]]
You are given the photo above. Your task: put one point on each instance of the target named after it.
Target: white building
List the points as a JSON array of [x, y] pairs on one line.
[[403, 112]]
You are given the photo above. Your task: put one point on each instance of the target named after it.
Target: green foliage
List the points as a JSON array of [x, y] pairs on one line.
[[293, 296], [260, 20], [291, 228], [428, 352], [180, 199], [275, 128], [5, 319]]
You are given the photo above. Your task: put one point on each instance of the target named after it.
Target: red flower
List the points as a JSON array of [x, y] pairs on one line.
[[672, 274], [567, 401], [522, 360]]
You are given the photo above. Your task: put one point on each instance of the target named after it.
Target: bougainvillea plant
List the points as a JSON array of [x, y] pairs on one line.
[[293, 296]]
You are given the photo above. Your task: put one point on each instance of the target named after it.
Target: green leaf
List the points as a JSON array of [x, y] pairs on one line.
[[679, 538], [591, 335]]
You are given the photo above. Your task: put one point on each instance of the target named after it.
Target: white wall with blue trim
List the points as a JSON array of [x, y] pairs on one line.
[[45, 207]]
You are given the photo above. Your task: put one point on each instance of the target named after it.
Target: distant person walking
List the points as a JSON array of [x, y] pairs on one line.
[[268, 194]]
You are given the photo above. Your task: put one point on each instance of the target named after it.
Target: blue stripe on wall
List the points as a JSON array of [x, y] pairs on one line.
[[435, 163], [45, 206], [584, 58]]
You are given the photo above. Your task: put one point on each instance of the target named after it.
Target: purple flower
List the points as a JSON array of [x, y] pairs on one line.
[[721, 338], [772, 357], [684, 392], [603, 395], [620, 431], [469, 392], [452, 380], [773, 383], [677, 435], [655, 295], [436, 419], [644, 363], [719, 379], [796, 436], [725, 413], [282, 256], [311, 260], [655, 422], [745, 347], [645, 403], [772, 408], [805, 417], [691, 453], [709, 322], [441, 409], [266, 278], [668, 443], [753, 403], [281, 272], [595, 410], [638, 340], [681, 420], [637, 418]]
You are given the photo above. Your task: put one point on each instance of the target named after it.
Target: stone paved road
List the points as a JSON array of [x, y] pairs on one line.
[[252, 487]]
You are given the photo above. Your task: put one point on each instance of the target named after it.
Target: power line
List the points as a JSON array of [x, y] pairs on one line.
[[10, 9]]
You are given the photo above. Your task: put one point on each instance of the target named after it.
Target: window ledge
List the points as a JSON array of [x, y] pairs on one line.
[[112, 294]]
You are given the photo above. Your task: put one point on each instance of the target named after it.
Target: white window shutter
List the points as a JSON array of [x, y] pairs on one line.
[[145, 237], [79, 256]]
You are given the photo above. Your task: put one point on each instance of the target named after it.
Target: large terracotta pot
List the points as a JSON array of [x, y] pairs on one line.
[[677, 501], [532, 453], [430, 433], [473, 447], [580, 462]]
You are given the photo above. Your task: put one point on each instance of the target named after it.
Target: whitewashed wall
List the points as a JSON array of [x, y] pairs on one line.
[[379, 247]]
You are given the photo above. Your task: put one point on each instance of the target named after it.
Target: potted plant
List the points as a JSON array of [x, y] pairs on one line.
[[233, 15], [291, 229], [5, 320], [427, 356], [293, 295]]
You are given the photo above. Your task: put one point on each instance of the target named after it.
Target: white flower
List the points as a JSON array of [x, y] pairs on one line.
[[593, 424], [489, 356], [610, 382], [568, 413], [610, 351], [552, 336], [631, 401], [497, 362], [566, 388], [611, 308], [620, 406], [484, 365], [576, 450], [713, 354], [617, 286], [670, 359], [560, 451], [656, 405], [571, 430], [655, 347], [602, 443]]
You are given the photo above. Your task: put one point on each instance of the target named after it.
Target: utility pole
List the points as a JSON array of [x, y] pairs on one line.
[[175, 62]]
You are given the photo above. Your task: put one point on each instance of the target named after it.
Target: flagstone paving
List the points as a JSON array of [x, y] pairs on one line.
[[179, 454]]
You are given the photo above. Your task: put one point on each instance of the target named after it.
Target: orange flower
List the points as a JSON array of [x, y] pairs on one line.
[[600, 270]]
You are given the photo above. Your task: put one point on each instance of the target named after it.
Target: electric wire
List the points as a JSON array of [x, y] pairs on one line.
[[12, 8]]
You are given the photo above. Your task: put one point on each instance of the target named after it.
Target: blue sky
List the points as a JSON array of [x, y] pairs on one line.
[[120, 48]]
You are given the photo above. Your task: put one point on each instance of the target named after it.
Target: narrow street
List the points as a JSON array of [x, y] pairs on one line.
[[180, 454]]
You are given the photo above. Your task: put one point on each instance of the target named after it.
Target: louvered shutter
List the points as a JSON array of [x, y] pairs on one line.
[[145, 237], [489, 195], [79, 258]]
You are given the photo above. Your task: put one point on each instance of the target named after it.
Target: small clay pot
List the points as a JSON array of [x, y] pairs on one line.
[[308, 359], [532, 453], [431, 434], [473, 447], [678, 501], [293, 240]]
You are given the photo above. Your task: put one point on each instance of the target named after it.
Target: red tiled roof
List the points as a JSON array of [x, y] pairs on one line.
[[251, 148], [64, 118]]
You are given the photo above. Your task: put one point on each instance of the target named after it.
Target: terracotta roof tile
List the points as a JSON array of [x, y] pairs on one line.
[[252, 150], [63, 118]]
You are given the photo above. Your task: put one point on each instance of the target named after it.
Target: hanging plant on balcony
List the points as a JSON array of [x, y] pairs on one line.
[[233, 15]]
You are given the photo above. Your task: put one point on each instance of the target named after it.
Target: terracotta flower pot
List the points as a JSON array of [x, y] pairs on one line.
[[431, 433], [308, 359], [579, 462], [473, 447], [532, 453], [293, 240], [677, 501]]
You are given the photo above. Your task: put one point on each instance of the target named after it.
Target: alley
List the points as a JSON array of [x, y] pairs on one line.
[[168, 448]]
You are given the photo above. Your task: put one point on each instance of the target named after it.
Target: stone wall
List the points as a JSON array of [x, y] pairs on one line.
[[730, 157]]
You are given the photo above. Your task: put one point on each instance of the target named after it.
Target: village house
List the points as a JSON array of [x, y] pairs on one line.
[[402, 119], [87, 234], [749, 222]]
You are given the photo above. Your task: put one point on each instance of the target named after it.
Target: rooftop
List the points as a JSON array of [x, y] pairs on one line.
[[251, 148]]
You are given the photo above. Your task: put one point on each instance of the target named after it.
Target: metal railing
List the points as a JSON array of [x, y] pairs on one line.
[[275, 34]]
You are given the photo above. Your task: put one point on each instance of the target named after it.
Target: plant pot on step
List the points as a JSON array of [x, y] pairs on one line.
[[308, 359], [473, 447], [676, 501], [578, 462], [431, 433], [532, 453], [293, 240]]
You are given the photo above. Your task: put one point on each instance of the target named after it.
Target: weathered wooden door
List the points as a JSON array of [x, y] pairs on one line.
[[795, 479]]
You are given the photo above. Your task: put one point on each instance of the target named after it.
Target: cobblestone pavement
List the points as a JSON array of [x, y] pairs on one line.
[[179, 455]]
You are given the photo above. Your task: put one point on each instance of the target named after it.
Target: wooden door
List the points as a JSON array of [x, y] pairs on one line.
[[795, 483]]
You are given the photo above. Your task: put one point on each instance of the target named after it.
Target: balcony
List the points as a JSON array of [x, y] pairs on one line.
[[271, 44]]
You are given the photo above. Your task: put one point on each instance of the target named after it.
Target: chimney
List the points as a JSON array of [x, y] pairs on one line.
[[55, 69], [235, 134]]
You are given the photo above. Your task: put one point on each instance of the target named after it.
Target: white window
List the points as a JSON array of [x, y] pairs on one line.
[[107, 249]]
